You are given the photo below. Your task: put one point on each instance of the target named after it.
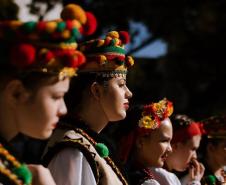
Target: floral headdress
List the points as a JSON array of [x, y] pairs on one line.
[[154, 113], [151, 117], [107, 56], [45, 46]]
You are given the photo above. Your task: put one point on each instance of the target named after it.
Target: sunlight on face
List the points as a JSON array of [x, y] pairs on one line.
[[115, 99], [156, 146]]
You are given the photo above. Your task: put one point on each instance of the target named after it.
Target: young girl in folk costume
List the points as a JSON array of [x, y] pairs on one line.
[[99, 95], [213, 150], [186, 139], [37, 61], [146, 135], [31, 149]]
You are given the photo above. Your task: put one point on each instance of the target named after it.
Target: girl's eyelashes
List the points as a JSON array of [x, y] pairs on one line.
[[57, 96], [122, 84], [166, 140]]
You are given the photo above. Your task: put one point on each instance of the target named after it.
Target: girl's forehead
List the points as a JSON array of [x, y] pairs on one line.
[[193, 142], [117, 79]]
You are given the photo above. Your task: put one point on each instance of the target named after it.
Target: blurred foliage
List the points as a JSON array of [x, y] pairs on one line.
[[192, 74]]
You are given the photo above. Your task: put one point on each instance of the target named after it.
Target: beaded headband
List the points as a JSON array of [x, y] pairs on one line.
[[107, 56], [45, 46], [185, 128], [215, 127]]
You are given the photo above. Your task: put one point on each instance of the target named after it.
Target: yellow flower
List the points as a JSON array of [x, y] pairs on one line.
[[67, 72], [147, 122]]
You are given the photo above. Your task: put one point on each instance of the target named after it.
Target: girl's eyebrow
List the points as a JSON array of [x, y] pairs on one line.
[[121, 79]]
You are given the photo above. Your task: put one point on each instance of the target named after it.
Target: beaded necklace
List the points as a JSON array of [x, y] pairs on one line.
[[101, 149], [107, 158], [10, 167]]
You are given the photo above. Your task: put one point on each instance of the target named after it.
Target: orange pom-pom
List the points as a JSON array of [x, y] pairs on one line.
[[77, 60], [124, 36], [129, 61], [23, 55], [51, 27], [90, 25], [73, 11]]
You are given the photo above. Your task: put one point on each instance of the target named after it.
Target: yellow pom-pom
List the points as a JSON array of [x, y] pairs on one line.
[[15, 24], [113, 34], [100, 43], [66, 34], [43, 51], [102, 59], [73, 11], [76, 24], [51, 27], [130, 61]]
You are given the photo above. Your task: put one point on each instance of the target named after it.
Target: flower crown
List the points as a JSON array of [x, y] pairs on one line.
[[46, 46], [107, 56], [154, 113]]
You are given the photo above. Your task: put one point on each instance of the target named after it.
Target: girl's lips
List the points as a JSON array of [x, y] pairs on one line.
[[164, 157], [54, 125], [126, 106]]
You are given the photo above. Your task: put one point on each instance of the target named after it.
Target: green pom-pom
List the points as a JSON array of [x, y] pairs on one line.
[[61, 26], [113, 42], [211, 180], [29, 27], [76, 34], [102, 149], [23, 173]]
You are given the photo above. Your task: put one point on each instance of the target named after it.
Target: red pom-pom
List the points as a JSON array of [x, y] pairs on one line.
[[73, 59], [41, 26], [48, 56], [107, 41], [79, 59], [69, 24], [23, 55], [81, 30], [90, 25], [124, 36]]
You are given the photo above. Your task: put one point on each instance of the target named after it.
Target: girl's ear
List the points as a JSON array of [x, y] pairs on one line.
[[15, 92], [95, 90]]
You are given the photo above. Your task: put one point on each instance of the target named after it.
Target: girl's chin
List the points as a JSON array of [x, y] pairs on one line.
[[120, 116]]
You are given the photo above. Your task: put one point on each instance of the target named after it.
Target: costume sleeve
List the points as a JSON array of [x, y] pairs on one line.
[[150, 182], [185, 181], [165, 177], [70, 167]]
